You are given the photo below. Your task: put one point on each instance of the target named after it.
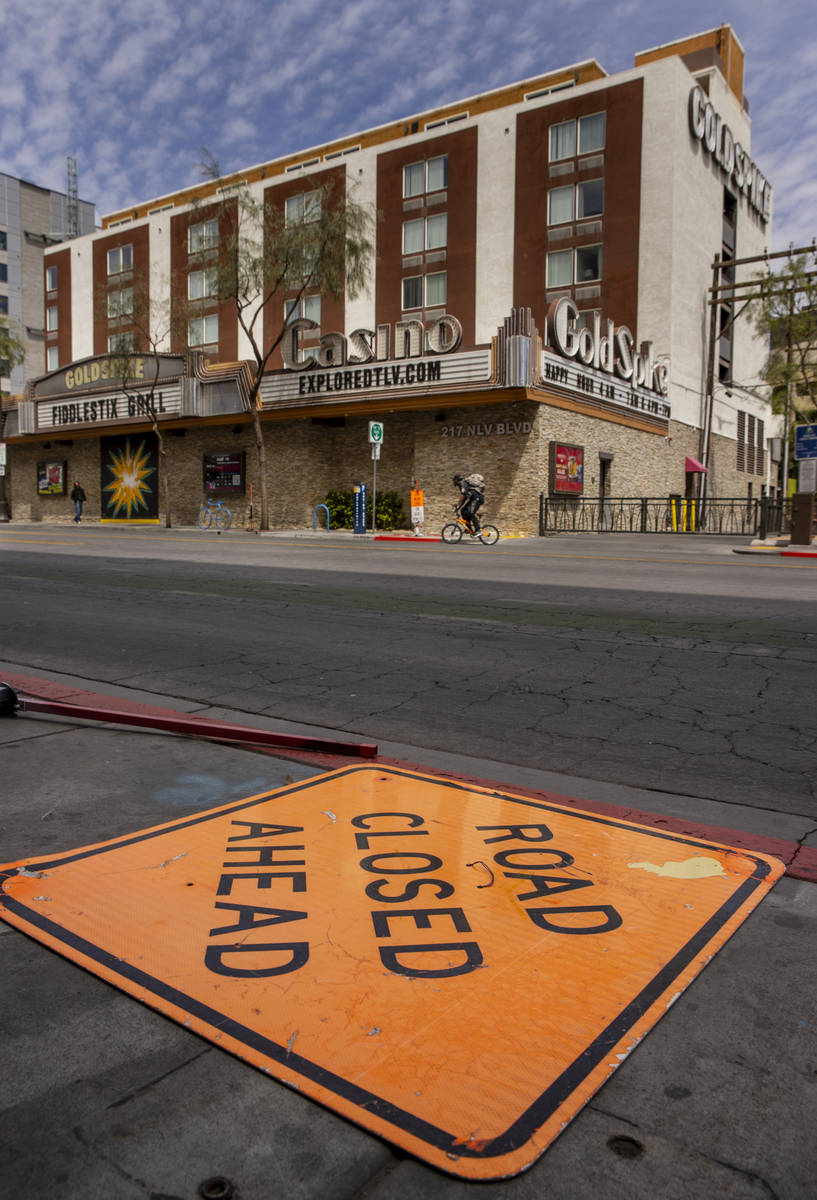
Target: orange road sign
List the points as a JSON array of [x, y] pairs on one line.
[[455, 969]]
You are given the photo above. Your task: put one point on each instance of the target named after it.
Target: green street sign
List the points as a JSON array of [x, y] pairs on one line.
[[375, 432]]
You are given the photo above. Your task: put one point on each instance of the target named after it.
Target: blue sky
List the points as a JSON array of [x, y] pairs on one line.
[[134, 91]]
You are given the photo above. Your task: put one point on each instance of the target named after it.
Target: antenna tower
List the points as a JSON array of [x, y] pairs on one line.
[[73, 200]]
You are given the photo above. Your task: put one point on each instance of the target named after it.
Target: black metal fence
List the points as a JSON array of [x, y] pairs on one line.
[[738, 517]]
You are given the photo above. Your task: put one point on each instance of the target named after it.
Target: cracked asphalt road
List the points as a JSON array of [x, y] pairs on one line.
[[636, 661]]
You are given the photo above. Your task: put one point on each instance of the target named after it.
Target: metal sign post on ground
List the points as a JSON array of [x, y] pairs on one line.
[[376, 441]]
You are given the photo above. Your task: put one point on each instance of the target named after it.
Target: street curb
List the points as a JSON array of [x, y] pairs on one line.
[[800, 861]]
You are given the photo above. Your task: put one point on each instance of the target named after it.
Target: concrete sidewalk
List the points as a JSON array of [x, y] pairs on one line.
[[104, 1098]]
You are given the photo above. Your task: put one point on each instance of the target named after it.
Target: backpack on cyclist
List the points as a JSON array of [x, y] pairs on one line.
[[476, 481]]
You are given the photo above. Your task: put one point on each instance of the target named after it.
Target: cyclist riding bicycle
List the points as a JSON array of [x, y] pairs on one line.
[[472, 488]]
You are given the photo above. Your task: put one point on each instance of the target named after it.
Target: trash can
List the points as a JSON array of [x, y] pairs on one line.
[[802, 518]]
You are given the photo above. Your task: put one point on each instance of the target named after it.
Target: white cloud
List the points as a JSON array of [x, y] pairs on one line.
[[134, 92]]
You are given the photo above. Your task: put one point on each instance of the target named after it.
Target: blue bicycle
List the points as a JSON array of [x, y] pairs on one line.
[[214, 512]]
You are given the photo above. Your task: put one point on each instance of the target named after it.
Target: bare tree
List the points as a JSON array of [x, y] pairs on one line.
[[267, 263], [145, 328]]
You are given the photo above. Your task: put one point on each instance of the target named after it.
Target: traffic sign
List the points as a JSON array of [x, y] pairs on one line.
[[417, 506], [376, 432], [805, 442], [456, 969]]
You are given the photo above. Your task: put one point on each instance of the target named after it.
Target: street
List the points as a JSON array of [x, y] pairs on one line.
[[656, 663]]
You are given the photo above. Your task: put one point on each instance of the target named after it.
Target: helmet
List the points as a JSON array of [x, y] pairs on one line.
[[457, 478], [8, 701]]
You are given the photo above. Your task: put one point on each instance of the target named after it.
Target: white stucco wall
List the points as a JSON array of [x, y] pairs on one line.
[[496, 198], [82, 316], [682, 231]]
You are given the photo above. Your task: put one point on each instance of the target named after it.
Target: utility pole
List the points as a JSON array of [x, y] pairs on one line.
[[704, 444], [744, 293], [787, 417]]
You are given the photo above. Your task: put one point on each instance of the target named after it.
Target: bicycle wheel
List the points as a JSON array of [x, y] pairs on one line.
[[203, 517], [224, 518], [451, 533], [488, 535]]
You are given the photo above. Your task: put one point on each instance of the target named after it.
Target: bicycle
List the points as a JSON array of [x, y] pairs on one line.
[[214, 512], [452, 533]]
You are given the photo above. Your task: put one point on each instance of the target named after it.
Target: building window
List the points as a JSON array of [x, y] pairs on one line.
[[413, 292], [428, 176], [51, 279], [585, 318], [592, 132], [202, 331], [588, 263], [52, 318], [52, 358], [306, 206], [590, 199], [560, 268], [428, 234], [4, 241], [750, 448], [203, 236], [201, 284], [560, 205], [562, 140], [437, 231], [4, 272], [120, 303], [414, 237], [307, 306], [436, 289], [120, 259], [120, 343], [4, 305]]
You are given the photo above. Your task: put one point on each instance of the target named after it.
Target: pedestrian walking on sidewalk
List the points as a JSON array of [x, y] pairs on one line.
[[79, 498]]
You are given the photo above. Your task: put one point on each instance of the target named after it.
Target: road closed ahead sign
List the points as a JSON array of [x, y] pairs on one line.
[[456, 970]]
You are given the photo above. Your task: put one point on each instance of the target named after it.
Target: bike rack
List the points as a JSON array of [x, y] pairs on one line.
[[315, 517]]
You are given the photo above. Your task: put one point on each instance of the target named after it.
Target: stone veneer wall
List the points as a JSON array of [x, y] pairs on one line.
[[507, 443]]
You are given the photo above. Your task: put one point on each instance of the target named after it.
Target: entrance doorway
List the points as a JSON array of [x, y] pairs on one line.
[[605, 508]]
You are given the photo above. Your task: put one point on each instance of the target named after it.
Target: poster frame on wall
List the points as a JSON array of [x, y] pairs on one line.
[[566, 469], [52, 478], [224, 473]]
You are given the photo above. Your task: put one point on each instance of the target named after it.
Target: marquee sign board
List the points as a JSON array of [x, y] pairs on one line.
[[457, 970], [574, 379], [356, 382], [100, 373], [109, 408]]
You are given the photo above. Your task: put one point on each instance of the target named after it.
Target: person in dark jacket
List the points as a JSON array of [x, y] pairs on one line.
[[472, 488], [79, 498]]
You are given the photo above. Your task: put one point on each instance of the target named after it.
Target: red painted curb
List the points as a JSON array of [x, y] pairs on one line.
[[110, 710], [800, 861], [798, 553]]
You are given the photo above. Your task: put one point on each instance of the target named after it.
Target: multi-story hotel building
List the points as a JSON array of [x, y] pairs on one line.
[[538, 310]]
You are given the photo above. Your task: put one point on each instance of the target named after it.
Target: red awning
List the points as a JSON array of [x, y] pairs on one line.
[[692, 464]]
